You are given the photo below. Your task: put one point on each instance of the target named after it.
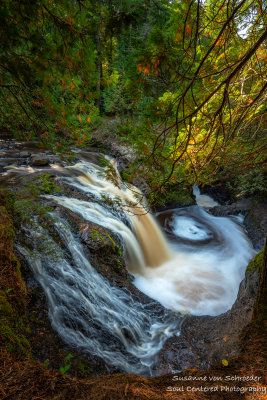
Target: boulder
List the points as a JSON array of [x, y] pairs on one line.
[[40, 160], [24, 154]]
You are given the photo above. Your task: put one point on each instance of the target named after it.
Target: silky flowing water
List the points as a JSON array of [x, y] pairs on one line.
[[186, 259]]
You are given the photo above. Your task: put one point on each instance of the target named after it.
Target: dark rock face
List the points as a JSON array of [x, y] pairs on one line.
[[219, 192], [255, 222], [103, 247]]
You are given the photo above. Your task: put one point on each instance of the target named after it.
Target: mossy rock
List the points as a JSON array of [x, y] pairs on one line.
[[12, 328], [7, 200], [256, 263], [10, 275], [13, 292]]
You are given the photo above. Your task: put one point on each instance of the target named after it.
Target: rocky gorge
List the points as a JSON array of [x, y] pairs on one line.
[[203, 341]]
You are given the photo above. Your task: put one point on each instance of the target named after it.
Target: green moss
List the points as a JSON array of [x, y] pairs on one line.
[[17, 264], [7, 231], [7, 200], [256, 263], [105, 237], [115, 246], [43, 183], [12, 327], [12, 294], [96, 234], [26, 203], [84, 368], [7, 236], [27, 208]]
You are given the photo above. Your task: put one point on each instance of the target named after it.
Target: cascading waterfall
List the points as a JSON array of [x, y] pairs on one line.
[[92, 315], [203, 200], [155, 249], [195, 266]]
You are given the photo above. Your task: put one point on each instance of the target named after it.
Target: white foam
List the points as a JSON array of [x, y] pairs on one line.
[[189, 229], [201, 279], [203, 200]]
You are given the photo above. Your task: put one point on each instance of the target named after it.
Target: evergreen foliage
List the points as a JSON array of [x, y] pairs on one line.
[[188, 77]]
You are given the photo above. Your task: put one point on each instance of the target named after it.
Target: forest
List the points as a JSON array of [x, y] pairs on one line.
[[185, 79], [133, 216]]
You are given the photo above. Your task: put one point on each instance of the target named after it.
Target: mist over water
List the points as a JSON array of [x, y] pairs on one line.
[[193, 263]]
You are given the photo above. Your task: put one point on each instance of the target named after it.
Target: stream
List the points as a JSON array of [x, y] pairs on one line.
[[185, 259]]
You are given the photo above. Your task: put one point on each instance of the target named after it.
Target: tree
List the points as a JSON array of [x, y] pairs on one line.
[[208, 117], [190, 72], [47, 69], [219, 100]]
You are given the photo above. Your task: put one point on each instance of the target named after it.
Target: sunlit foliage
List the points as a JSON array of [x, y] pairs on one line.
[[188, 77]]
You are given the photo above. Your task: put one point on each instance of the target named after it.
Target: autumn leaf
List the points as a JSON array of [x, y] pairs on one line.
[[147, 70], [218, 41], [188, 29]]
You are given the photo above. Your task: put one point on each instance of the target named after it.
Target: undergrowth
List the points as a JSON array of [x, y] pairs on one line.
[[12, 288]]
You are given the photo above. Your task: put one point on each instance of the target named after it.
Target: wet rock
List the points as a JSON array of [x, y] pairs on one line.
[[255, 212], [256, 224], [40, 160], [241, 206], [24, 154], [220, 192], [105, 252], [6, 163], [53, 159], [90, 156]]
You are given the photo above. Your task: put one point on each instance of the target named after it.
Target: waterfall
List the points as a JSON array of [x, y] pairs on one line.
[[203, 200], [192, 263], [197, 278], [155, 250], [89, 313]]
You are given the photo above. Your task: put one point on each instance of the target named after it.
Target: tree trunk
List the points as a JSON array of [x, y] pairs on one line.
[[99, 100]]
